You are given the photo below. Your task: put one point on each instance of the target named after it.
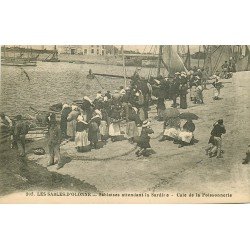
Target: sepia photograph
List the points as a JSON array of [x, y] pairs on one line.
[[125, 123]]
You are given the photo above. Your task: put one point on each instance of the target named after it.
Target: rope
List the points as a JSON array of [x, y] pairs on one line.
[[149, 72], [98, 81], [151, 68], [144, 49], [217, 62], [102, 159]]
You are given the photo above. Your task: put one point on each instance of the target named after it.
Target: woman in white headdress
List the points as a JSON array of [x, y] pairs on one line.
[[71, 119], [171, 129], [115, 120], [81, 137], [104, 125], [217, 86]]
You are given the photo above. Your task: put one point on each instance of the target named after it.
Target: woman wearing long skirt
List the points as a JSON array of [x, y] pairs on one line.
[[71, 125], [81, 138], [114, 129], [131, 119], [199, 94], [104, 125], [94, 131], [186, 135], [144, 140], [115, 120], [192, 92], [63, 123], [183, 96], [171, 129]]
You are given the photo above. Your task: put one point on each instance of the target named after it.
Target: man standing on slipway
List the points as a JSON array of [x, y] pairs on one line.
[[20, 130], [54, 141]]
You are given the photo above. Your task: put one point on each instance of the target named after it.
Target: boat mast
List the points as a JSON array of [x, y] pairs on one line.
[[159, 61], [199, 56], [188, 61], [4, 52], [55, 54], [28, 52], [208, 59], [124, 68]]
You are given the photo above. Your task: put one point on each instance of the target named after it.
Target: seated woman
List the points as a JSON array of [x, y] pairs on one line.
[[171, 129], [186, 135], [81, 137]]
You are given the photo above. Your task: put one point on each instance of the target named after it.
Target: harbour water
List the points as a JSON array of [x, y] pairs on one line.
[[50, 83]]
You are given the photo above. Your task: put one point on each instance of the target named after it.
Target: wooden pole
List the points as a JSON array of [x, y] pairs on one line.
[[199, 56], [4, 52], [124, 68], [188, 59], [210, 60], [159, 61]]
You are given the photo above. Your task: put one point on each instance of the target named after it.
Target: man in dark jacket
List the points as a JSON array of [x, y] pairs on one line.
[[174, 89], [216, 133], [54, 141], [20, 130]]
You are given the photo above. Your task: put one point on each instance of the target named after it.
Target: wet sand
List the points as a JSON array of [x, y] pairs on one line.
[[19, 174]]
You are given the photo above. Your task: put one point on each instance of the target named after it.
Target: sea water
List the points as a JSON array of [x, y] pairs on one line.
[[50, 83]]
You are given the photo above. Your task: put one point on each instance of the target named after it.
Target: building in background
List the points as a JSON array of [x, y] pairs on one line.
[[97, 50], [101, 50]]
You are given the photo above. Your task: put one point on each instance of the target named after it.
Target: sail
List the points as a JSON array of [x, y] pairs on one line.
[[243, 64], [171, 60], [216, 56]]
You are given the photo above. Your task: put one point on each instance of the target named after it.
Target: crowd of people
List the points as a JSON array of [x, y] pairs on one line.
[[88, 122], [193, 82]]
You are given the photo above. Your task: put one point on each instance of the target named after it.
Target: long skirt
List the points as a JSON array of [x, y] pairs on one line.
[[141, 114], [81, 139], [131, 129], [114, 129], [199, 96], [71, 128], [63, 126], [172, 132], [144, 143], [160, 107], [192, 91], [185, 136], [183, 101], [103, 128]]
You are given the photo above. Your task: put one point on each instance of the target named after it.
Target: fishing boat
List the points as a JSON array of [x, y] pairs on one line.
[[148, 63], [216, 55], [166, 58], [18, 61], [54, 57]]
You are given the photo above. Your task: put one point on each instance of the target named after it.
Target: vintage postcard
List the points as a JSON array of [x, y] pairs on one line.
[[125, 124]]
